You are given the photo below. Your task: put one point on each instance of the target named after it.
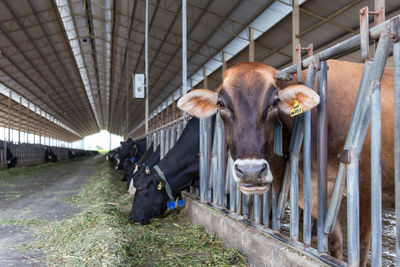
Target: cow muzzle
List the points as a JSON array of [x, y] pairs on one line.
[[253, 175]]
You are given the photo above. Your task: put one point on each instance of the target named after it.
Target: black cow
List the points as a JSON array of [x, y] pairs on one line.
[[147, 161], [180, 167], [129, 149], [11, 160], [71, 154], [130, 166], [49, 155]]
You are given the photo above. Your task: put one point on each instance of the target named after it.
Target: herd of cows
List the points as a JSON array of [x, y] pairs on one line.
[[250, 99], [49, 155]]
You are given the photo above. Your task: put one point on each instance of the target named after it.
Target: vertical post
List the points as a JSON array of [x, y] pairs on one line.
[[184, 49], [376, 178], [127, 92], [311, 73], [251, 44], [109, 140], [295, 28], [27, 124], [266, 208], [322, 156], [396, 100], [19, 119], [9, 116], [224, 63], [146, 68], [232, 184]]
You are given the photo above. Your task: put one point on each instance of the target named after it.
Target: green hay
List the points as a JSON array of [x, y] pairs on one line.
[[102, 236]]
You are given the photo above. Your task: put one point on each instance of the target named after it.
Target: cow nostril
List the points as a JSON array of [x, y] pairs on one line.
[[239, 172], [264, 170]]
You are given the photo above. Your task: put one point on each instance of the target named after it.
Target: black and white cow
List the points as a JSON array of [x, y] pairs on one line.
[[11, 159], [145, 163], [129, 149], [49, 155], [178, 170]]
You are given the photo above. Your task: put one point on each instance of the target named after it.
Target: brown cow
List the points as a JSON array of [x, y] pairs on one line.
[[250, 99]]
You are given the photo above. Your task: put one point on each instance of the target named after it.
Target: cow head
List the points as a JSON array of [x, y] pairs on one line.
[[249, 100], [150, 197]]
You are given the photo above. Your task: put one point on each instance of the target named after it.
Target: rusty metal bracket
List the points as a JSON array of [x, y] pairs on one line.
[[344, 156], [394, 29], [364, 28], [299, 48]]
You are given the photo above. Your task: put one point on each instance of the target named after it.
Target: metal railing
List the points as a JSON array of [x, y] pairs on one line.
[[218, 187], [30, 154]]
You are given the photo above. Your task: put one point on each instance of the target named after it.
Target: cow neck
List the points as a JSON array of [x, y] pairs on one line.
[[181, 164]]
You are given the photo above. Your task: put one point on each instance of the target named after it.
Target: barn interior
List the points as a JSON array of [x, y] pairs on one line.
[[67, 71]]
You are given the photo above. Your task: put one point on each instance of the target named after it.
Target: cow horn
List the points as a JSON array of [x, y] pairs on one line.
[[281, 75]]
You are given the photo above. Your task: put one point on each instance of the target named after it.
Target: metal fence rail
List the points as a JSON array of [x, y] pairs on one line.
[[30, 154], [218, 188]]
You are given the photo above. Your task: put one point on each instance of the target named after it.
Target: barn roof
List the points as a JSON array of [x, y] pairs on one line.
[[74, 59]]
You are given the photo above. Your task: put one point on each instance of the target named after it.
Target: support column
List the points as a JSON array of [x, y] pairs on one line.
[[19, 120], [224, 63], [146, 68], [251, 44], [295, 28], [9, 117], [184, 49]]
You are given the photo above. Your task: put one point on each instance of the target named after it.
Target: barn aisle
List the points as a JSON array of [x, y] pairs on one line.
[[74, 213], [32, 197]]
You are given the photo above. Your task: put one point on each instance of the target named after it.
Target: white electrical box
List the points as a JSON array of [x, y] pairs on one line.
[[138, 85]]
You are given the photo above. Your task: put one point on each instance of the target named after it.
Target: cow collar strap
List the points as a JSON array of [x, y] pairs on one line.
[[167, 187]]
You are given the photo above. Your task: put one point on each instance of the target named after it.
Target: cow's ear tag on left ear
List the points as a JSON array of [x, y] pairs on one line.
[[297, 109], [159, 187], [133, 159], [134, 146], [181, 202], [171, 205]]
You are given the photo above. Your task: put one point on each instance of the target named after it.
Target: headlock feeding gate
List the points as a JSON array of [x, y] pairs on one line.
[[218, 187]]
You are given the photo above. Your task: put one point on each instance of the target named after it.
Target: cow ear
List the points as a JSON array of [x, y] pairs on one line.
[[200, 103], [296, 99]]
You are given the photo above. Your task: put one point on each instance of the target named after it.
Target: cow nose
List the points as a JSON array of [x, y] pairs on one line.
[[252, 171]]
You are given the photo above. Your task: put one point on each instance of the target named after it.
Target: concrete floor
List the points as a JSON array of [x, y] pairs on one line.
[[28, 201]]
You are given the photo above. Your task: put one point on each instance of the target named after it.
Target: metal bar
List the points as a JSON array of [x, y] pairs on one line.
[[322, 156], [364, 33], [184, 48], [162, 143], [266, 208], [9, 116], [232, 184], [245, 205], [396, 100], [285, 184], [251, 44], [338, 190], [376, 178], [146, 68], [214, 167], [238, 201], [378, 67], [295, 28], [346, 45], [276, 224], [257, 209], [310, 79], [294, 183], [221, 159]]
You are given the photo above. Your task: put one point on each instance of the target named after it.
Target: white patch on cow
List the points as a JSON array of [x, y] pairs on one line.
[[131, 189], [8, 161], [136, 169]]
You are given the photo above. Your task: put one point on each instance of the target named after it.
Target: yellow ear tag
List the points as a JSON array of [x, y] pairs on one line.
[[297, 109], [159, 187], [134, 146]]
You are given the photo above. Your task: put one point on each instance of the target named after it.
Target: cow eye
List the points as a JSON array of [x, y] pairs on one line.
[[220, 103], [276, 101]]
